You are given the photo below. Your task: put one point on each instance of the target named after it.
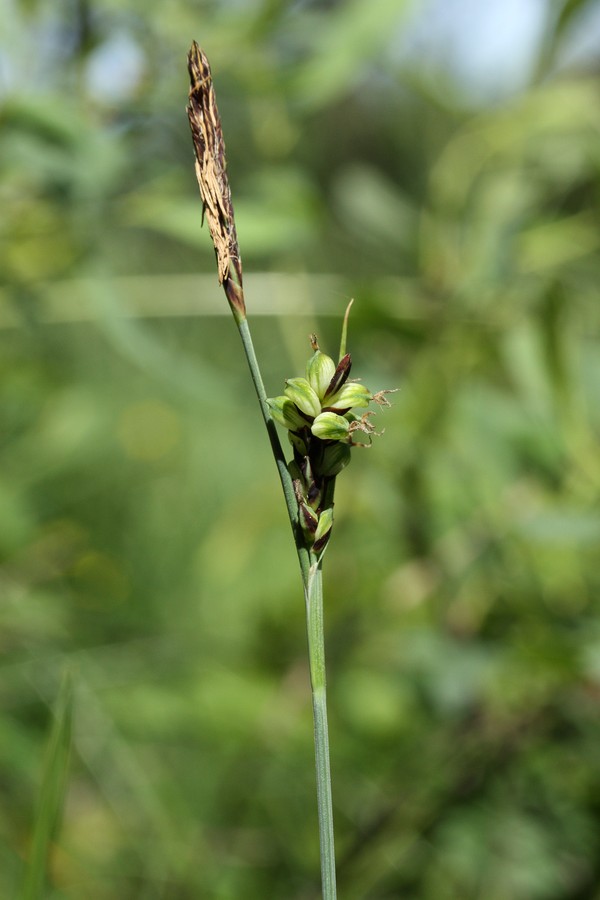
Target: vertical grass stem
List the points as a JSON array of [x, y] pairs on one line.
[[280, 461], [313, 591], [316, 653]]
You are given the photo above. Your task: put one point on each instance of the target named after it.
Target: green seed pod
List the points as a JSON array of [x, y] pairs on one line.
[[320, 369], [294, 470], [309, 520], [321, 535], [335, 458], [300, 392], [298, 442], [351, 394], [330, 427], [284, 411]]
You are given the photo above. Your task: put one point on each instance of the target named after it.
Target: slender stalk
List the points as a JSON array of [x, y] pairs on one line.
[[284, 475], [312, 579], [316, 654]]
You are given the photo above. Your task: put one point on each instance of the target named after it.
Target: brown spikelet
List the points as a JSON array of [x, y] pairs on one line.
[[211, 172]]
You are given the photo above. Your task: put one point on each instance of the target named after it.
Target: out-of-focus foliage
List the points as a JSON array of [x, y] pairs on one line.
[[143, 541]]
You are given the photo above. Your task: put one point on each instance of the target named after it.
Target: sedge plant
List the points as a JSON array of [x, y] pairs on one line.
[[316, 410]]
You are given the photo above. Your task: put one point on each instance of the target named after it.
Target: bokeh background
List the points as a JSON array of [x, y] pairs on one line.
[[440, 162]]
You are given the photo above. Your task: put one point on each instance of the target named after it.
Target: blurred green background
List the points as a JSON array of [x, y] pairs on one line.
[[440, 163]]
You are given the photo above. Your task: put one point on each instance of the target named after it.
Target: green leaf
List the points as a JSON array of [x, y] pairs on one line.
[[351, 36], [54, 782]]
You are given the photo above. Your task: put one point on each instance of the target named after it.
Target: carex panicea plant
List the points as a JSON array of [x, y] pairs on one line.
[[317, 411]]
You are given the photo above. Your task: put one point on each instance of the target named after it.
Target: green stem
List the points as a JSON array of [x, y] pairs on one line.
[[313, 593], [280, 461], [316, 654]]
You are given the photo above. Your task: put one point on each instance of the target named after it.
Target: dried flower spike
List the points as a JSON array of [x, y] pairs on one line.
[[211, 172]]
